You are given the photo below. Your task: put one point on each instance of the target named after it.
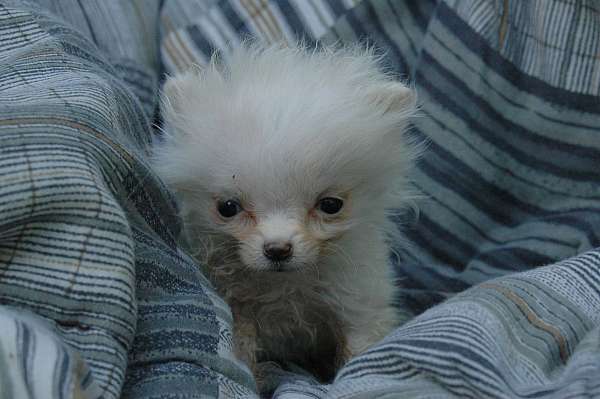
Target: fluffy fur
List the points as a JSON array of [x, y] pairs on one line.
[[276, 129]]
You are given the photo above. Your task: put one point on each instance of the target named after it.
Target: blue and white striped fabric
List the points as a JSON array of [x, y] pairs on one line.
[[96, 300], [502, 264], [511, 180]]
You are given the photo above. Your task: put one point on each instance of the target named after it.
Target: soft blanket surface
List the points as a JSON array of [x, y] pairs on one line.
[[97, 300]]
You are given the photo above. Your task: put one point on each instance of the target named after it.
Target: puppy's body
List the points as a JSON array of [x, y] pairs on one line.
[[285, 163], [314, 318]]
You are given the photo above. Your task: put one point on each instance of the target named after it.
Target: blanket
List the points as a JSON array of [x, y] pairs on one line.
[[501, 265]]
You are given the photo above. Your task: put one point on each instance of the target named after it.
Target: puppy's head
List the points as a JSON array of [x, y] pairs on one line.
[[283, 150]]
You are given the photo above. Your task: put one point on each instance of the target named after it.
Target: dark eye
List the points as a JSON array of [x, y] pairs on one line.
[[330, 205], [228, 208]]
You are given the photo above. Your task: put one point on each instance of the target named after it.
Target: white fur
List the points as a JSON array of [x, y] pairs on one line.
[[278, 128]]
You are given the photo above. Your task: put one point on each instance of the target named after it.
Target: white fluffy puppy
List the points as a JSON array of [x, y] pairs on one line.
[[286, 162]]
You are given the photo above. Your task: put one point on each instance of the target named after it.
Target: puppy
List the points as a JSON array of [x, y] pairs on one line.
[[286, 162]]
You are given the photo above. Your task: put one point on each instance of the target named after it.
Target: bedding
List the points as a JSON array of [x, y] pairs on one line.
[[501, 265]]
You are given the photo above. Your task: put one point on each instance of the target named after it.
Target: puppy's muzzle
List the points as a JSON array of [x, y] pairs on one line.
[[278, 251]]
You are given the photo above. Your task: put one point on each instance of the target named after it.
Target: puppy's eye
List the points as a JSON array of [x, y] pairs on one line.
[[330, 205], [229, 208]]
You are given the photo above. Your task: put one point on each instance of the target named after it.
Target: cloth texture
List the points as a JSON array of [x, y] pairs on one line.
[[501, 264], [96, 299]]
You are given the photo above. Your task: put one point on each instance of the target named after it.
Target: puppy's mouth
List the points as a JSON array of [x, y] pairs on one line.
[[270, 266], [281, 267]]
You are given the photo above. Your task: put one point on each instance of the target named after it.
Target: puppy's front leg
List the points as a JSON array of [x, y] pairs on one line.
[[370, 328], [245, 341], [246, 348]]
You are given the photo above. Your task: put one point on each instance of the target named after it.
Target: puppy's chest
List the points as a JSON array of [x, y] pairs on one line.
[[294, 319], [272, 296]]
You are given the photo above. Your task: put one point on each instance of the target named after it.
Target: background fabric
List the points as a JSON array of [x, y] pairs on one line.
[[501, 264], [96, 299]]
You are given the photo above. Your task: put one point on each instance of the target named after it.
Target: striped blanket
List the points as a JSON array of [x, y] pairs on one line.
[[501, 265]]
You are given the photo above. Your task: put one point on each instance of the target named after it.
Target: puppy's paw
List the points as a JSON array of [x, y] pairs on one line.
[[267, 376]]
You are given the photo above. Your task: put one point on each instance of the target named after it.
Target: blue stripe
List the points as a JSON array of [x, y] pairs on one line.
[[200, 41], [513, 129], [589, 165], [408, 347], [421, 11], [234, 19], [517, 259], [492, 200], [443, 127], [484, 234], [526, 83], [293, 20], [405, 33], [337, 7], [394, 60]]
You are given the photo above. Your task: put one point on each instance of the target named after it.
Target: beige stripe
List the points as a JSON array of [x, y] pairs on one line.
[[169, 46], [188, 58], [257, 19], [533, 318], [503, 26], [264, 6], [172, 52], [263, 19]]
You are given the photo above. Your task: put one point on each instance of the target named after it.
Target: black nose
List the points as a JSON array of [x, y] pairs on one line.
[[278, 251]]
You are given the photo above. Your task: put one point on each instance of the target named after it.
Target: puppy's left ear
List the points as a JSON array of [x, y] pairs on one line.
[[175, 88], [393, 97]]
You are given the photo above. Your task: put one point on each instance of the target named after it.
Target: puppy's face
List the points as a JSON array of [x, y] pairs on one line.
[[283, 232], [283, 152]]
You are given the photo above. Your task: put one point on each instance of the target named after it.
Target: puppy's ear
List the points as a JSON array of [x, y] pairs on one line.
[[393, 97], [173, 92]]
